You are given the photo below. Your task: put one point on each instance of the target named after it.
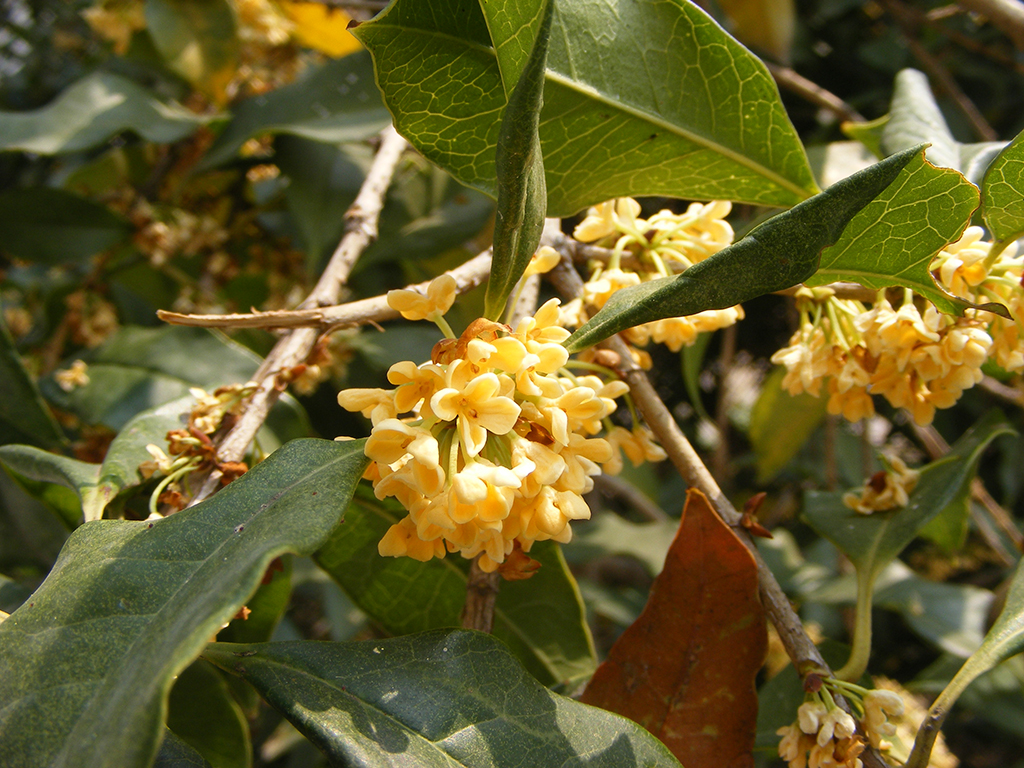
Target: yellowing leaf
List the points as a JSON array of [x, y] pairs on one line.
[[322, 28]]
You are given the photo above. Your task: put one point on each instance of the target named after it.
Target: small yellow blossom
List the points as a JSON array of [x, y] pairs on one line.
[[75, 376], [411, 305]]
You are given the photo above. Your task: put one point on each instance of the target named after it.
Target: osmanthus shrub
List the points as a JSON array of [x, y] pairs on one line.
[[445, 510]]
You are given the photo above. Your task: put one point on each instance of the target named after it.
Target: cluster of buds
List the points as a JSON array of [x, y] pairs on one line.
[[884, 490], [499, 444], [192, 449], [663, 245], [914, 356], [826, 736]]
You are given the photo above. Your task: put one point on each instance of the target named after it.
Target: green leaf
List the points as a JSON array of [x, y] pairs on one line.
[[1004, 639], [203, 714], [197, 39], [52, 227], [607, 129], [444, 698], [90, 112], [541, 618], [780, 424], [175, 753], [514, 27], [80, 476], [266, 606], [1002, 194], [24, 417], [129, 604], [522, 194], [949, 527], [334, 103], [609, 534], [893, 240], [873, 541], [777, 254]]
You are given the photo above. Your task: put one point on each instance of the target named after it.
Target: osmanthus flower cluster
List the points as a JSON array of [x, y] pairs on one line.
[[491, 445], [911, 354], [663, 245], [884, 490], [826, 736]]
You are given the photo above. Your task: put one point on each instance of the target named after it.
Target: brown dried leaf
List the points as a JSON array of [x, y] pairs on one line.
[[685, 669]]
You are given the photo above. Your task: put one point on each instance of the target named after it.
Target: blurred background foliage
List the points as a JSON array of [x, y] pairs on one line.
[[198, 155]]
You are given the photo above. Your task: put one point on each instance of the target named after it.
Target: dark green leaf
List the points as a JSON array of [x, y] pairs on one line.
[[444, 698], [30, 535], [130, 604], [50, 227], [522, 194], [90, 112], [203, 714], [780, 424], [609, 534], [80, 476], [24, 417], [175, 753], [893, 240], [873, 541], [266, 606], [334, 103], [541, 619], [710, 126], [1002, 193], [197, 39], [781, 252]]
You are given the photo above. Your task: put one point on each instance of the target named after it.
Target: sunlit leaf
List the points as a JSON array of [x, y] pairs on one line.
[[334, 103], [51, 227], [443, 698], [709, 125], [686, 668], [92, 110], [781, 252], [321, 27], [522, 194], [893, 240], [130, 604], [541, 619], [780, 424], [1002, 193]]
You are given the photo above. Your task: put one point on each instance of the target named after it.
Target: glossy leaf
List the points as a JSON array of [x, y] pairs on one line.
[[93, 110], [893, 240], [334, 103], [97, 484], [781, 252], [130, 604], [1002, 193], [443, 698], [873, 541], [514, 27], [686, 668], [52, 227], [541, 619], [719, 131], [24, 417], [203, 714], [197, 39], [780, 424], [1003, 640], [522, 193]]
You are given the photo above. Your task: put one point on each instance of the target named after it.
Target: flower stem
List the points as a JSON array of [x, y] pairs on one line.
[[861, 652]]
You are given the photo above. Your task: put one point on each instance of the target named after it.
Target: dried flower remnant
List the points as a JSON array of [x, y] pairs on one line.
[[885, 490], [75, 376], [664, 244], [499, 444]]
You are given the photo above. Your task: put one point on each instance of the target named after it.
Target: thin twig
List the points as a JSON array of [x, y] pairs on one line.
[[791, 80], [1003, 391], [631, 496], [938, 71], [294, 348]]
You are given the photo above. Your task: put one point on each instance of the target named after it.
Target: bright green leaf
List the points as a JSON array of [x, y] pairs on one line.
[[444, 698], [711, 126], [948, 529], [780, 424], [24, 417], [781, 252], [80, 476], [90, 112], [1002, 194], [52, 227], [522, 194], [893, 240], [541, 618], [197, 39], [203, 714], [334, 103], [514, 26], [873, 541], [130, 604]]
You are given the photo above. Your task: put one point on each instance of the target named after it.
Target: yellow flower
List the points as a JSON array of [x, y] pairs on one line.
[[478, 409], [411, 305], [544, 260], [606, 219]]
